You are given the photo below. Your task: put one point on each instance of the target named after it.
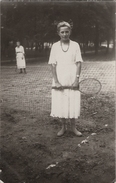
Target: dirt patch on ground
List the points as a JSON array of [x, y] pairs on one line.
[[29, 141]]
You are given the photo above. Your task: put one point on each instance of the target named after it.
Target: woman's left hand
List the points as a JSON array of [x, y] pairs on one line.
[[76, 83]]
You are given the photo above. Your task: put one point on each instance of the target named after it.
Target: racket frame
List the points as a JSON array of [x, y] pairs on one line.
[[77, 88]]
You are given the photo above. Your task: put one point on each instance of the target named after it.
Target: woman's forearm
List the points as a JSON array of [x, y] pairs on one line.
[[53, 67], [78, 71]]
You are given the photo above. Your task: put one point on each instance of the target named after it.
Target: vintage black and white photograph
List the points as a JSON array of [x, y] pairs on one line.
[[57, 92]]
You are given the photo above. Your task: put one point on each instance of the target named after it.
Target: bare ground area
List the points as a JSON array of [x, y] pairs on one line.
[[28, 133]]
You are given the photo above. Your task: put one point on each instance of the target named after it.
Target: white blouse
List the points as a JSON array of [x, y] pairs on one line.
[[58, 56], [19, 49]]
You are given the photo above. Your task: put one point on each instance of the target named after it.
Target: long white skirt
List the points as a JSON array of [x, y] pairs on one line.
[[20, 61], [66, 103]]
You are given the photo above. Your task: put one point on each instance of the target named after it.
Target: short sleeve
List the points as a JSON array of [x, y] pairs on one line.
[[52, 59], [78, 54]]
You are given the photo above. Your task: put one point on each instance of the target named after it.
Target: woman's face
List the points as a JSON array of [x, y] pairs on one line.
[[18, 43], [64, 33]]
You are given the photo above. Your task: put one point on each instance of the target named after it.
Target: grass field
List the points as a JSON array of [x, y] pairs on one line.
[[28, 133]]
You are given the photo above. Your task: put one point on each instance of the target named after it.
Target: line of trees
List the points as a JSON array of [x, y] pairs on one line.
[[93, 23]]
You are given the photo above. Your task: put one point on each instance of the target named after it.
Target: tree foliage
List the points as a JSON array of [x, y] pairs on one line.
[[36, 22]]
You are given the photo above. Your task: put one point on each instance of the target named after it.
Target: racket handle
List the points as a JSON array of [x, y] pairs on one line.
[[65, 87]]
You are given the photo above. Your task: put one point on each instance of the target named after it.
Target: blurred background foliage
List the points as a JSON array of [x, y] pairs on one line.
[[34, 24]]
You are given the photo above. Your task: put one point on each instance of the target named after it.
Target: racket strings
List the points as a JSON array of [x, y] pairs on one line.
[[90, 86]]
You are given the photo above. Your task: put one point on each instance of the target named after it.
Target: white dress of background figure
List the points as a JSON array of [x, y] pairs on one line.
[[65, 103], [20, 58]]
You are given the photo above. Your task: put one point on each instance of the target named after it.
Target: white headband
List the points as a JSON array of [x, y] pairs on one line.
[[63, 24]]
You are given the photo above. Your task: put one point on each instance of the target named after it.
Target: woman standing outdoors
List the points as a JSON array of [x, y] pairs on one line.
[[20, 57], [65, 59]]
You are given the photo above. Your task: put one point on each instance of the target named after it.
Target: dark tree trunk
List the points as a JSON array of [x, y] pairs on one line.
[[31, 46], [107, 49], [108, 40], [84, 51], [114, 40], [96, 38], [36, 47], [114, 44], [42, 46]]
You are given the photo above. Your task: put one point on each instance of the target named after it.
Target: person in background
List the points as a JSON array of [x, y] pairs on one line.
[[65, 60], [20, 57]]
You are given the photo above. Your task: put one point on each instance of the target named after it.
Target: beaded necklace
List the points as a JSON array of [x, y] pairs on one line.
[[67, 47]]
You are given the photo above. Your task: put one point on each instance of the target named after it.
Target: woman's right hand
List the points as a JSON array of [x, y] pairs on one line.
[[58, 85]]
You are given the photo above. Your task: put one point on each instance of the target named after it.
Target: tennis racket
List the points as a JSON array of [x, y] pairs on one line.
[[87, 86]]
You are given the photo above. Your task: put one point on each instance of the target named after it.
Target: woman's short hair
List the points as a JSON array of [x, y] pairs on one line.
[[63, 24]]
